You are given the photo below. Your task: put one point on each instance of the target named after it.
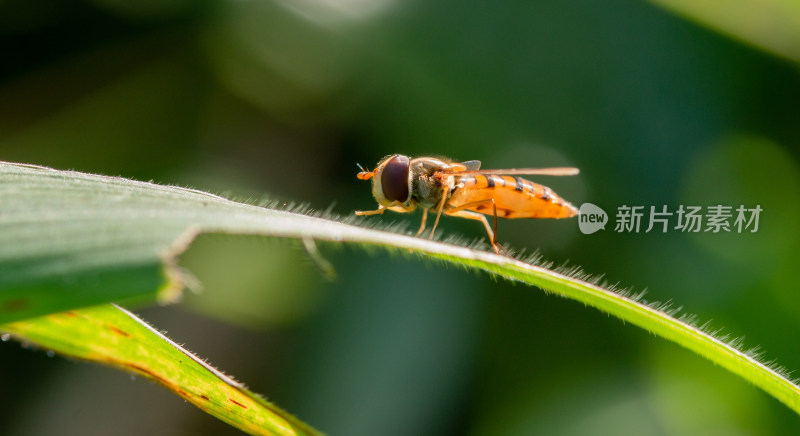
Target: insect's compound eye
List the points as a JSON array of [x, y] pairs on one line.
[[394, 179]]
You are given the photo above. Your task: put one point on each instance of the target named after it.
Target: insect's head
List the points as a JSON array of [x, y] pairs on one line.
[[391, 180]]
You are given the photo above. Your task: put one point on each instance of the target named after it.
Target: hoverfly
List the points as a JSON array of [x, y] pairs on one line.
[[462, 189]]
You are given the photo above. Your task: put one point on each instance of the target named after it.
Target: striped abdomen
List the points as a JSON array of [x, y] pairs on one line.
[[514, 197]]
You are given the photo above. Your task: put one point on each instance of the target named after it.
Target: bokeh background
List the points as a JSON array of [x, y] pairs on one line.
[[281, 98]]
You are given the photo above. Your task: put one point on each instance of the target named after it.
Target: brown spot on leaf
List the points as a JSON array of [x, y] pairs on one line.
[[204, 397], [118, 331], [150, 374], [237, 403]]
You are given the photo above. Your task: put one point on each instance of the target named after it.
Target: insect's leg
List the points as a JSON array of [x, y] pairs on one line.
[[470, 205], [377, 211], [424, 218], [445, 194], [482, 218], [478, 203], [494, 212]]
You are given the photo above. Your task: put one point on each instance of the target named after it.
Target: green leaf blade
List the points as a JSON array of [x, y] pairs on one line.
[[771, 25], [112, 336], [135, 225]]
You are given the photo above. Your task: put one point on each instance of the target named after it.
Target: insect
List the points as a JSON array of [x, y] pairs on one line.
[[462, 189]]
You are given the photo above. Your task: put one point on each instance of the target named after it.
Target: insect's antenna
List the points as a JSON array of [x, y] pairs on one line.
[[364, 174]]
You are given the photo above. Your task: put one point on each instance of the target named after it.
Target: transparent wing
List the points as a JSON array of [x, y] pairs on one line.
[[471, 165], [556, 171]]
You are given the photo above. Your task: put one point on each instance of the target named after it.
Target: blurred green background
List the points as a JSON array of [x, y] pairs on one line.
[[282, 98]]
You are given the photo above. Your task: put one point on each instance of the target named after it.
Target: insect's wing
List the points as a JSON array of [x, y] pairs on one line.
[[460, 168], [556, 171], [471, 165]]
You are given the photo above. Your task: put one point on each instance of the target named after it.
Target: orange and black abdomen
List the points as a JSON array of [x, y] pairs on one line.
[[514, 197]]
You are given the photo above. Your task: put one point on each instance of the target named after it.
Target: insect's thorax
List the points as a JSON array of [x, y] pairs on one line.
[[426, 189]]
